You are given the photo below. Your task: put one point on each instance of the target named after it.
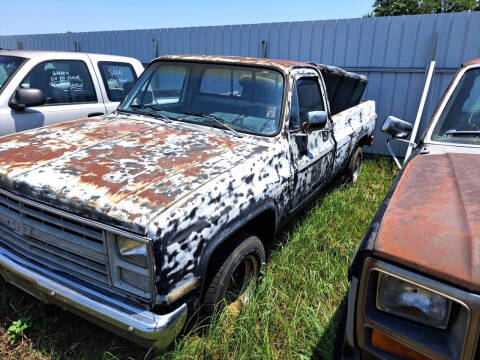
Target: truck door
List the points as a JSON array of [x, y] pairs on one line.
[[313, 152], [69, 88]]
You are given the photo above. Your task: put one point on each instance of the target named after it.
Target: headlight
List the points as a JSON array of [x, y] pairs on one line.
[[412, 302], [132, 250], [135, 279]]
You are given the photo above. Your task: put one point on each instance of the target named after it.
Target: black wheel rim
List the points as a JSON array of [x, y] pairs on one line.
[[242, 283]]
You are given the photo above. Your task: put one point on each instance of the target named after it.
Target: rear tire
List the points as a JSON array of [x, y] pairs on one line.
[[234, 281], [354, 167]]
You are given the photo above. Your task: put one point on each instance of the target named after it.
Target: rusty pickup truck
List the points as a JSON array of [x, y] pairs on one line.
[[137, 219], [415, 280]]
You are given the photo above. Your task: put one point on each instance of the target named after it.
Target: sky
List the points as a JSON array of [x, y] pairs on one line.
[[58, 16]]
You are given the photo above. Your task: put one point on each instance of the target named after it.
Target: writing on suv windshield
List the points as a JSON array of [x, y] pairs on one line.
[[8, 65], [460, 120], [239, 98]]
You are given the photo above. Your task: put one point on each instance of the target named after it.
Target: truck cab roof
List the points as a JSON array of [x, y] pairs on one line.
[[472, 62], [28, 54], [282, 65]]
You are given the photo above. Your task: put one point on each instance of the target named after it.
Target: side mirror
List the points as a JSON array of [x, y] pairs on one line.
[[23, 98], [396, 128], [316, 121]]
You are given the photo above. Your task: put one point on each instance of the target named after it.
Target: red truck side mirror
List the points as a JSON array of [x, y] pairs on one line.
[[396, 128]]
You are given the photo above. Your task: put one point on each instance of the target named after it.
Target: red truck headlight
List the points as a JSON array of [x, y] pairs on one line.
[[412, 302]]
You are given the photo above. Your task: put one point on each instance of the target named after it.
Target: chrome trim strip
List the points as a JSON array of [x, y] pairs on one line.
[[133, 323], [182, 290]]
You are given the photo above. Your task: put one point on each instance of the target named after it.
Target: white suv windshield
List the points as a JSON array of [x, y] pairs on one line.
[[8, 65], [247, 99], [460, 120]]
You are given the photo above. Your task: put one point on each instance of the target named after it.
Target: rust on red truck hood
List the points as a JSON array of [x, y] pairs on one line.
[[432, 223], [121, 170]]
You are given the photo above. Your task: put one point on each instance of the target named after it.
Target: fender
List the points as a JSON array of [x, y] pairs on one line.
[[230, 229]]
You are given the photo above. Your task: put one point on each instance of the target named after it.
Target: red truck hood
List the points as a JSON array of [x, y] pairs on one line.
[[432, 223], [121, 171]]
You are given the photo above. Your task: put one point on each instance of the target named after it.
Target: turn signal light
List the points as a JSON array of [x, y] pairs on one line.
[[387, 344]]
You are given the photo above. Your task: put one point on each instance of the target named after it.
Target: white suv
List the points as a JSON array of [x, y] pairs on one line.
[[39, 88]]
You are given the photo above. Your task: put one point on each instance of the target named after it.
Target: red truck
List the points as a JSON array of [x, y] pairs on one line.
[[415, 279]]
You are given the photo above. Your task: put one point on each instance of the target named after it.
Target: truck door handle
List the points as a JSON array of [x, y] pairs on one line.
[[95, 114]]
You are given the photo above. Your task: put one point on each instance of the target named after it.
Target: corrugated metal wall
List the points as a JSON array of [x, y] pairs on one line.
[[392, 51]]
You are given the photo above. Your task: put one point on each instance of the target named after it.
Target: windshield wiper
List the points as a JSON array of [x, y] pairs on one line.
[[216, 120], [463, 132], [157, 115]]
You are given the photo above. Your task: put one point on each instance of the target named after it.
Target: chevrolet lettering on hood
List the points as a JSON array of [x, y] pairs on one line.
[[415, 280], [162, 209]]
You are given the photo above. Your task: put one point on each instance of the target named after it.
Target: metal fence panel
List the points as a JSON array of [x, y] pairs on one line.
[[393, 52]]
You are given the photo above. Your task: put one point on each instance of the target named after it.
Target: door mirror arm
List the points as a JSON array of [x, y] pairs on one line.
[[392, 153]]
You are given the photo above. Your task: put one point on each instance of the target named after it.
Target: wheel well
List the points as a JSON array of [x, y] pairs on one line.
[[364, 140], [263, 225]]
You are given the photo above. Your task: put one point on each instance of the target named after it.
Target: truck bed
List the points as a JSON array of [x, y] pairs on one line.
[[345, 89]]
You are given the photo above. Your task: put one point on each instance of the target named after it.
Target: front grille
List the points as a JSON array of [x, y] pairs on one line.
[[53, 240]]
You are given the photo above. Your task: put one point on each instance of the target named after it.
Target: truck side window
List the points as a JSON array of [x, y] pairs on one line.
[[118, 79], [309, 97], [62, 81], [294, 123]]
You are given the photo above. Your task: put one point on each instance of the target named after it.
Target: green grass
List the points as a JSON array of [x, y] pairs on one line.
[[294, 313]]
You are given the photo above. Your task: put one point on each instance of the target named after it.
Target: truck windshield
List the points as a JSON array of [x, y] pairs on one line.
[[245, 99], [460, 120], [8, 65]]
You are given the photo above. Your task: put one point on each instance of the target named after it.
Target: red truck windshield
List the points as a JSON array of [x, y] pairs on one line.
[[460, 120], [247, 99]]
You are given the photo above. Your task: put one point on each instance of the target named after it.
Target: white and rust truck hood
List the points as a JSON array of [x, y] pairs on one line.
[[122, 171], [432, 222]]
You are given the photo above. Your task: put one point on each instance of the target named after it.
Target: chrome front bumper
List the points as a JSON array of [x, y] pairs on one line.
[[133, 323]]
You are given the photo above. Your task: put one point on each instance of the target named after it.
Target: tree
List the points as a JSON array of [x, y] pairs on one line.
[[395, 7], [413, 7]]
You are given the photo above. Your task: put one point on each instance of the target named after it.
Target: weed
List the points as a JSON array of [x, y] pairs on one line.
[[18, 328]]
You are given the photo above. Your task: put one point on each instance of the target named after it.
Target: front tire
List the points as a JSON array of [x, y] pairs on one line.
[[234, 281]]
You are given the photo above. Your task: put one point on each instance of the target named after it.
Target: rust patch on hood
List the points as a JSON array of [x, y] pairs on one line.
[[432, 223], [123, 170]]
